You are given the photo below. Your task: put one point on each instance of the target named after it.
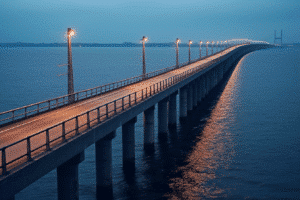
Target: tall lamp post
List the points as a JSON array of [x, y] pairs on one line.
[[144, 40], [71, 98], [212, 47], [177, 52], [207, 48], [217, 46], [190, 42], [200, 45]]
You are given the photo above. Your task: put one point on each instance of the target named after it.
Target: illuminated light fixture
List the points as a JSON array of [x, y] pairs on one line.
[[190, 42], [177, 52], [71, 98], [144, 39]]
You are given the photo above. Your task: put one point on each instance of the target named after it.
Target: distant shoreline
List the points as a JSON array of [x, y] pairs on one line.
[[125, 44]]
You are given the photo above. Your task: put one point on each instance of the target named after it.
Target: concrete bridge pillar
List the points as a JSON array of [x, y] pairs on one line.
[[189, 97], [200, 89], [163, 115], [104, 166], [198, 85], [149, 128], [67, 178], [172, 109], [195, 94], [204, 85], [183, 101], [128, 144]]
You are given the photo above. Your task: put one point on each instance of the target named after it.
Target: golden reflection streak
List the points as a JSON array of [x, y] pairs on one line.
[[213, 150]]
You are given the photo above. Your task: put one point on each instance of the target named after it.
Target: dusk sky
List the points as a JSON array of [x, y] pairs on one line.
[[117, 21]]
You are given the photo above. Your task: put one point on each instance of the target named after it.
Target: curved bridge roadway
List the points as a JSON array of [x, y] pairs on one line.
[[17, 131]]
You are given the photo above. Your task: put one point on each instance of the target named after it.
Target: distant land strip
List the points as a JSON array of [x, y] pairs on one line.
[[125, 44]]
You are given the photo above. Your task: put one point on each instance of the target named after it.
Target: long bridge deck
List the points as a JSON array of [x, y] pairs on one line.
[[52, 120], [38, 138]]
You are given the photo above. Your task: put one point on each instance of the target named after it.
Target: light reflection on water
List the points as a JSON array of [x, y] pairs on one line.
[[213, 150]]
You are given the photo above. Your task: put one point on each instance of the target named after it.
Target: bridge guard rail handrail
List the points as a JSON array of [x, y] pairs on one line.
[[36, 108], [61, 132]]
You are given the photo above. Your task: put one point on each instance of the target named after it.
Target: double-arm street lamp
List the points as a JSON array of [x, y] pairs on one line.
[[177, 52], [190, 42], [70, 33], [144, 40]]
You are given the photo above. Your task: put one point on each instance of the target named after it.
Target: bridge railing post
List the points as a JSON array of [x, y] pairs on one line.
[[122, 103], [63, 127], [76, 125], [47, 140], [129, 100], [98, 115], [3, 158], [88, 119], [135, 97], [106, 111], [28, 148]]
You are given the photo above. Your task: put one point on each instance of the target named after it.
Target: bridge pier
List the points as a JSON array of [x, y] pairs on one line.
[[172, 109], [189, 97], [195, 94], [67, 178], [199, 89], [104, 166], [128, 144], [163, 116], [149, 128], [183, 102]]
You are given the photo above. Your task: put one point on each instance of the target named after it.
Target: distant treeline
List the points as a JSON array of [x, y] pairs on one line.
[[125, 44]]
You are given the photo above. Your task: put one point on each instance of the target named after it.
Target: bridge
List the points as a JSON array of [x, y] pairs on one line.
[[40, 137]]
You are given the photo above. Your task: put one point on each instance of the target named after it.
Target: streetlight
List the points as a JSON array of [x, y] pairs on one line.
[[212, 47], [71, 98], [190, 42], [144, 39], [207, 48], [217, 45], [225, 44], [177, 52], [200, 44]]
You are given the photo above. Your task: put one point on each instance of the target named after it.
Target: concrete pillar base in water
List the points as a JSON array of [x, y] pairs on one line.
[[103, 148], [190, 98], [172, 110], [128, 144], [163, 116], [183, 102], [195, 94], [149, 129], [67, 178]]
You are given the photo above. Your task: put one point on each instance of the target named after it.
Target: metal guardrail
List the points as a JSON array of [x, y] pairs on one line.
[[59, 133], [36, 108]]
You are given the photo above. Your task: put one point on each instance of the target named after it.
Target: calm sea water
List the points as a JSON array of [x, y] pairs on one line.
[[242, 143]]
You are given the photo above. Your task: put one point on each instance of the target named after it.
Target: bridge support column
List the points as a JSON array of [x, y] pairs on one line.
[[195, 94], [172, 109], [128, 144], [163, 116], [183, 102], [190, 97], [199, 89], [149, 128], [67, 178], [104, 166]]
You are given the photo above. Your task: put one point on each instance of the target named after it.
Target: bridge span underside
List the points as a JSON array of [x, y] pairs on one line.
[[57, 139]]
